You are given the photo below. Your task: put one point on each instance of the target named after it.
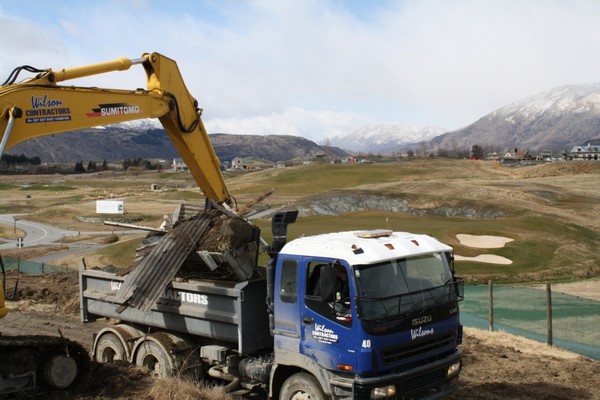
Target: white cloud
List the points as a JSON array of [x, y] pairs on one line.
[[315, 66], [313, 125]]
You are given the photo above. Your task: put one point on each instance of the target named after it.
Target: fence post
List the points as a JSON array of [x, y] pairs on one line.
[[491, 302], [549, 313]]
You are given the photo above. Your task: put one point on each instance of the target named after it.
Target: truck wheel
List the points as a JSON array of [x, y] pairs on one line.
[[109, 349], [302, 386], [155, 358]]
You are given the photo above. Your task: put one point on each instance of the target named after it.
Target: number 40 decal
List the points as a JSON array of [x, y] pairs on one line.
[[366, 344]]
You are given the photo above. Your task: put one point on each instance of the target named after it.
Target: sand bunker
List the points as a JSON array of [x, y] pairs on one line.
[[485, 258], [484, 242]]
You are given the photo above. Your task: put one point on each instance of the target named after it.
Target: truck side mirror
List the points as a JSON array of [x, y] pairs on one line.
[[327, 283]]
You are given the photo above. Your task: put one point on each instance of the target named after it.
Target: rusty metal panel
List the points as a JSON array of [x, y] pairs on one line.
[[145, 283]]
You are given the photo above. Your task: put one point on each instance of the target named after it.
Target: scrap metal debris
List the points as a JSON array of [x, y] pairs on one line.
[[209, 245]]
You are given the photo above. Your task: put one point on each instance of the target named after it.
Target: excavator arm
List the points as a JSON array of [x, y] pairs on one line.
[[40, 106], [215, 243]]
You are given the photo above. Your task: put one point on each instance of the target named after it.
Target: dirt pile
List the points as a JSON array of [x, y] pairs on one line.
[[502, 366], [59, 289], [558, 169]]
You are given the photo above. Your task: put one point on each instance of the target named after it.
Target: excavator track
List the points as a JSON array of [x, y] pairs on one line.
[[34, 365]]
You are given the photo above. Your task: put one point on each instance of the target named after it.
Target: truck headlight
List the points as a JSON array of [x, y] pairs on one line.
[[383, 392], [454, 368]]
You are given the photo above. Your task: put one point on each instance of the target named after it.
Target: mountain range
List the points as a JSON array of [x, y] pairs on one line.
[[386, 138], [554, 120], [146, 141]]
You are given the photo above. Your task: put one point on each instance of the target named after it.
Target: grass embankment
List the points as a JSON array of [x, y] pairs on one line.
[[10, 233], [548, 211], [545, 247], [541, 250], [121, 253]]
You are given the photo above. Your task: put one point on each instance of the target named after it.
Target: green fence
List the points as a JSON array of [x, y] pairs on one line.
[[31, 267], [573, 323]]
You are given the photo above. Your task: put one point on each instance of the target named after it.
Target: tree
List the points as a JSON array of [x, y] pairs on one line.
[[91, 166], [79, 168], [20, 159], [476, 152], [442, 152]]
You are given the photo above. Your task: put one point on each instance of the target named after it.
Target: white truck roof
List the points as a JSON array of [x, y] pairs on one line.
[[365, 247]]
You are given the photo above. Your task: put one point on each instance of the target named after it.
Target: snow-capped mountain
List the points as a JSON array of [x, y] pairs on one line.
[[138, 125], [562, 100], [385, 138], [554, 120]]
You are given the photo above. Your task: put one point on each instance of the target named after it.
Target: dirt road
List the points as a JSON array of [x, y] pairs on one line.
[[496, 365]]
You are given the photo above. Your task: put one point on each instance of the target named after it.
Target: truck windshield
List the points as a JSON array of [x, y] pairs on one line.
[[399, 288]]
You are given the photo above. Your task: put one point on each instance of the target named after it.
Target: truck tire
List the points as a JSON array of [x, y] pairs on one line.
[[302, 386], [109, 349], [155, 358]]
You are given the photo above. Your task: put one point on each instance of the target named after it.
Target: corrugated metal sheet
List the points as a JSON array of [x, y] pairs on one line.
[[147, 281], [185, 211]]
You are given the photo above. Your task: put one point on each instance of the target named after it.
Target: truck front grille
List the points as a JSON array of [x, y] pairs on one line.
[[424, 381], [392, 355]]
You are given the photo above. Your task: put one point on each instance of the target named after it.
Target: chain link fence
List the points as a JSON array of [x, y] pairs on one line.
[[32, 267], [567, 321]]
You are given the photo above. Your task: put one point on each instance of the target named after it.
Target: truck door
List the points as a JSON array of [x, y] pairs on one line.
[[287, 309], [327, 327]]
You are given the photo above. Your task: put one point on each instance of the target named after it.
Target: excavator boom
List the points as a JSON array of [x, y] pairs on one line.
[[39, 107]]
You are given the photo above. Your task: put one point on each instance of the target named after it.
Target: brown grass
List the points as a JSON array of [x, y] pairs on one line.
[[184, 389]]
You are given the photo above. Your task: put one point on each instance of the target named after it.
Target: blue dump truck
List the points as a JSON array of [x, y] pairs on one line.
[[354, 315]]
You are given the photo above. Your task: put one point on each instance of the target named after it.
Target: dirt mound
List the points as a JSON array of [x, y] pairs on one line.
[[558, 169], [502, 366], [60, 289]]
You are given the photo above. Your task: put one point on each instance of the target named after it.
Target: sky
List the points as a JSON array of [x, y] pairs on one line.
[[320, 68]]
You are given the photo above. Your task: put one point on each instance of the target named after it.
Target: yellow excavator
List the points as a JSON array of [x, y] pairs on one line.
[[38, 106]]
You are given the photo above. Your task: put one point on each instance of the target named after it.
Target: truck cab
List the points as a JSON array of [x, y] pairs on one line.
[[385, 324]]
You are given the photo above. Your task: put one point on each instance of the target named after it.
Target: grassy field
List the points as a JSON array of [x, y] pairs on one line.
[[551, 211]]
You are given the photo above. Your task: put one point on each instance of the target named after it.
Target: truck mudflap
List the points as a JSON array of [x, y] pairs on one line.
[[431, 381]]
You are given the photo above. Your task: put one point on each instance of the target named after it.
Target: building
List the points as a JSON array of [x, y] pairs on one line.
[[587, 152], [515, 157], [237, 163], [545, 156], [493, 156], [179, 165]]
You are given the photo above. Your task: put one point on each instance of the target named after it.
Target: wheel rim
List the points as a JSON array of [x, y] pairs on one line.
[[152, 364], [108, 355], [110, 349], [300, 395]]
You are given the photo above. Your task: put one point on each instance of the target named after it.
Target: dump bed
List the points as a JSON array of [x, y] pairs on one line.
[[224, 311]]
